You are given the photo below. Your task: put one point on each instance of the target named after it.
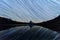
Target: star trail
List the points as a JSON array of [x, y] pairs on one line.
[[26, 10]]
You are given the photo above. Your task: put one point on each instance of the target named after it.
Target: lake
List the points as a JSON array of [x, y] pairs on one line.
[[27, 33]]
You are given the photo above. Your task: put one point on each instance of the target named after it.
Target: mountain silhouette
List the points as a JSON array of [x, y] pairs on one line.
[[53, 24], [6, 23]]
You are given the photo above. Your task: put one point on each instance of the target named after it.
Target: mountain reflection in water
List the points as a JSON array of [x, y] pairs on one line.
[[27, 33]]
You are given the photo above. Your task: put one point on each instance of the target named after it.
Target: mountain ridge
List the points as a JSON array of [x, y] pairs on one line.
[[53, 24]]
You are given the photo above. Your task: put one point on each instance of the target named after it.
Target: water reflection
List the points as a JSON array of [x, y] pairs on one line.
[[27, 33]]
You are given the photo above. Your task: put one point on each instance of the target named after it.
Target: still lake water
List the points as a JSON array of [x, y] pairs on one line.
[[27, 33]]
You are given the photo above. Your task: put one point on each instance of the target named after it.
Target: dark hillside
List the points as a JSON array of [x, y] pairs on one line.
[[53, 24]]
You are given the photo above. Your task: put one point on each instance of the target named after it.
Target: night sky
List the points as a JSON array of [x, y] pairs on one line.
[[26, 10]]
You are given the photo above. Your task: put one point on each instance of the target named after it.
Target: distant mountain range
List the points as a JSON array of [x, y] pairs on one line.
[[6, 23], [53, 24]]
